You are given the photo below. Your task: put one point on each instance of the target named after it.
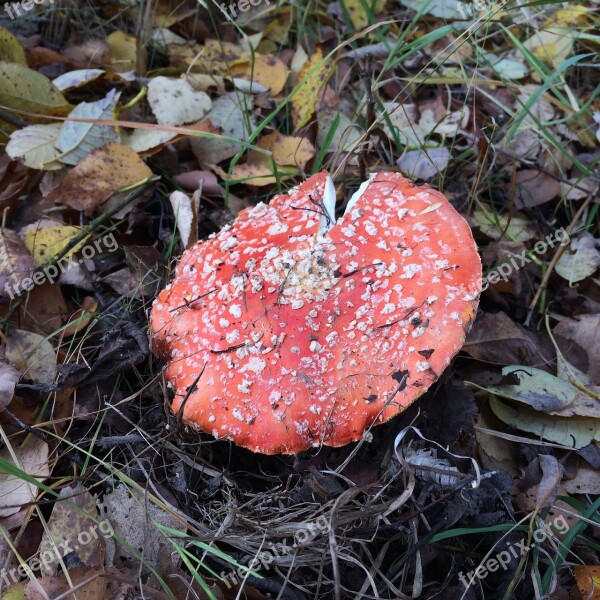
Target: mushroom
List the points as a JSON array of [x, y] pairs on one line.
[[289, 329]]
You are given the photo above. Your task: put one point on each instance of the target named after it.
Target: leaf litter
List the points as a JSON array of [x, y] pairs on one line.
[[156, 128]]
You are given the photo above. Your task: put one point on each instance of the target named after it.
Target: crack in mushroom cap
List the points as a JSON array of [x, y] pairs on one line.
[[286, 330]]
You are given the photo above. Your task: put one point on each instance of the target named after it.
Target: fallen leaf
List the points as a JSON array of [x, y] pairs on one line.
[[9, 377], [516, 228], [346, 136], [174, 102], [424, 164], [142, 140], [232, 115], [535, 187], [44, 241], [27, 90], [581, 260], [267, 70], [73, 532], [98, 176], [357, 10], [77, 78], [122, 51], [588, 581], [184, 215], [570, 432], [11, 50], [585, 332], [312, 77], [585, 481], [30, 457], [82, 317], [77, 139], [16, 262], [286, 150], [133, 520], [36, 146], [32, 354]]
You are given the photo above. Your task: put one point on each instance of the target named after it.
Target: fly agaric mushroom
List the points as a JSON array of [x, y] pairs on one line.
[[288, 329]]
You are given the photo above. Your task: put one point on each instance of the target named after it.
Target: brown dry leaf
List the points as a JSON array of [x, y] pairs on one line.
[[585, 481], [16, 263], [535, 188], [584, 331], [14, 178], [588, 581], [31, 458], [81, 318], [497, 339], [134, 520], [96, 177], [312, 77], [45, 308], [267, 70], [74, 529]]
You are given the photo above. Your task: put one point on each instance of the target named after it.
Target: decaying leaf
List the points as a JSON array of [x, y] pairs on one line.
[[98, 176], [134, 520], [16, 262], [74, 520]]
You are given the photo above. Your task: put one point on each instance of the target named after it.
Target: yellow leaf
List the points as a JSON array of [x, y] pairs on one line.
[[27, 90], [10, 48], [268, 71], [45, 242], [358, 15], [552, 45], [287, 150], [99, 175], [279, 28], [123, 51], [575, 14], [588, 581], [312, 77]]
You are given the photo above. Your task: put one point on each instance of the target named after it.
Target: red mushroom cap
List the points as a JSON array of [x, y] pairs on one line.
[[288, 330]]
